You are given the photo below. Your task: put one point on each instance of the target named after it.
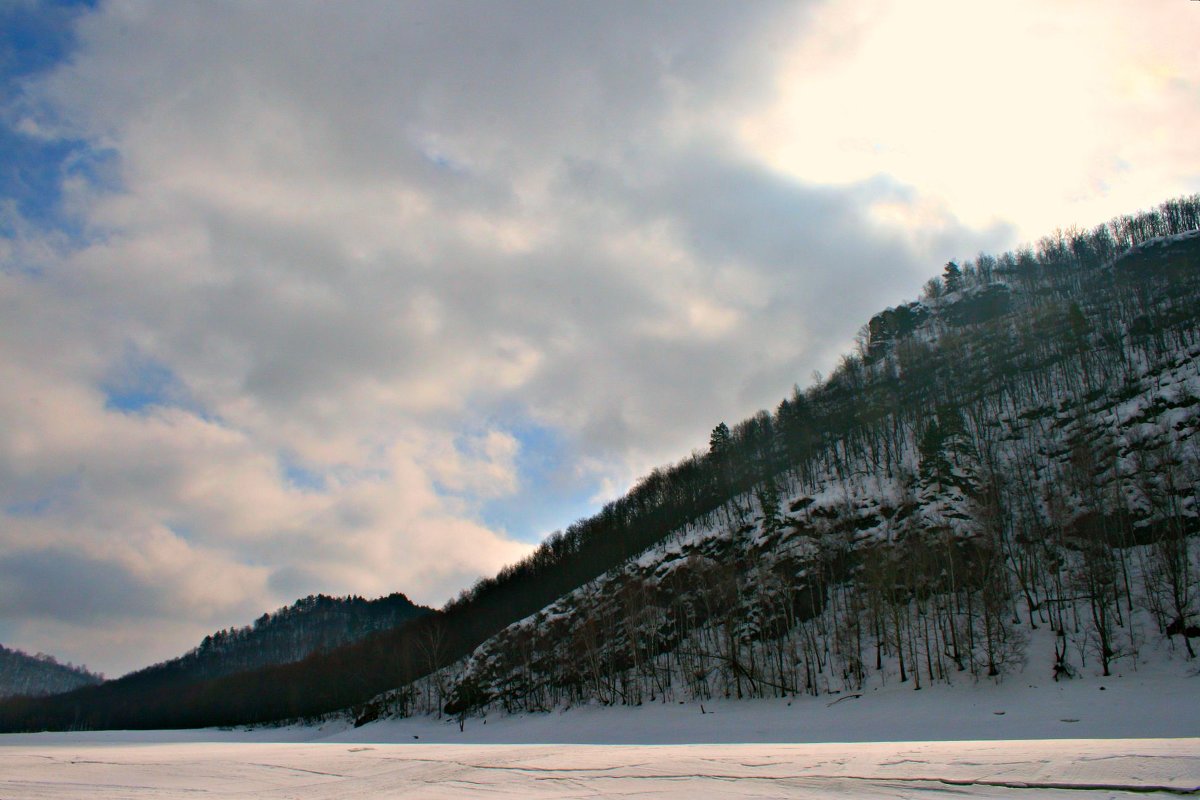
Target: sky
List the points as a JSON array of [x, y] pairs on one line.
[[371, 296]]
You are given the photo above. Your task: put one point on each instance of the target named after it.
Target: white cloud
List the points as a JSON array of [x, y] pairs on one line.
[[1041, 114]]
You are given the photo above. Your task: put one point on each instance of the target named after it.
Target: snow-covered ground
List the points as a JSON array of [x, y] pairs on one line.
[[1036, 768], [1090, 737]]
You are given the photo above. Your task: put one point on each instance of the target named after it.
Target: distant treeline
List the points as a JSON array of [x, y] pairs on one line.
[[41, 674]]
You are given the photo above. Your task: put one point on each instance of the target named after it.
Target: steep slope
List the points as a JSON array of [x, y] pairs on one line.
[[1017, 451], [31, 676]]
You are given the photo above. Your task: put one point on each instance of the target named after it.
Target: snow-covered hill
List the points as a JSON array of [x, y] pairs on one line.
[[1014, 492]]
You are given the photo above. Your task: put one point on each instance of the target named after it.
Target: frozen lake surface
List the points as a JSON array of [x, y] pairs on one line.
[[1064, 768], [1027, 737]]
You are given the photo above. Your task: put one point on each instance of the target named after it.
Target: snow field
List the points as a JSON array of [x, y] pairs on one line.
[[1023, 737], [1072, 768]]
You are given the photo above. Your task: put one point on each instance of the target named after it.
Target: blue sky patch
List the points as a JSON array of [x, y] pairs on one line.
[[301, 476], [34, 38], [52, 494], [182, 531], [29, 508], [551, 494], [138, 383]]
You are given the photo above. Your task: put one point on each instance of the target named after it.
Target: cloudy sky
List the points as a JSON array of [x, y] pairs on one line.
[[370, 296]]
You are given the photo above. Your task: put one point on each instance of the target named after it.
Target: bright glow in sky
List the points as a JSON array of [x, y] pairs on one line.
[[369, 297], [1038, 114]]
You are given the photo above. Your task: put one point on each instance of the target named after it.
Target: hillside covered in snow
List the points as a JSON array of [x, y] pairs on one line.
[[1004, 478]]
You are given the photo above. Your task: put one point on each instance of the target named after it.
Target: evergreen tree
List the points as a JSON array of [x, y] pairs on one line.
[[952, 277], [719, 441]]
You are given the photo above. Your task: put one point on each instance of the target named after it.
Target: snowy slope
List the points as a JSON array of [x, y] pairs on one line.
[[939, 545]]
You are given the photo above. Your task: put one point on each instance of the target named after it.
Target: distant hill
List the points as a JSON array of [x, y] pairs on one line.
[[38, 675], [310, 625]]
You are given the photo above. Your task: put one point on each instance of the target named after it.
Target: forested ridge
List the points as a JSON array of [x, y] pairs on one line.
[[1016, 450], [41, 674], [312, 625]]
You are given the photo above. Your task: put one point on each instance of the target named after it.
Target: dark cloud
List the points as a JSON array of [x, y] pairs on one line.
[[66, 586]]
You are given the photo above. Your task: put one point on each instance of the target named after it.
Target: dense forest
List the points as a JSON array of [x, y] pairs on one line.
[[1015, 451], [311, 624], [24, 675]]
